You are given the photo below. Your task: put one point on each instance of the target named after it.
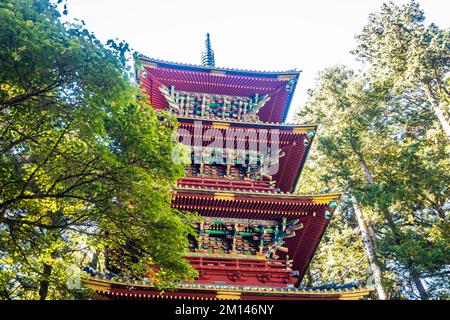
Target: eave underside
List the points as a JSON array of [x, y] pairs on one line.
[[213, 81], [308, 209], [109, 289], [290, 140]]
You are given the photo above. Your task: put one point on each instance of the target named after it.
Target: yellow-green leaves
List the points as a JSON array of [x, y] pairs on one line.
[[84, 165]]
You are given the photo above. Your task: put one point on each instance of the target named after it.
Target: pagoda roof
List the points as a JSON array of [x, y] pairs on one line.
[[115, 287], [250, 124], [250, 72], [226, 81], [290, 138], [313, 197], [309, 209]]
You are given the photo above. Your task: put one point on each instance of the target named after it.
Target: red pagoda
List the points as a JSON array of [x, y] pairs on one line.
[[256, 238]]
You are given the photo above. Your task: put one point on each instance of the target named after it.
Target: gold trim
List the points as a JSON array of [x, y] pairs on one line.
[[356, 295], [311, 126], [315, 198], [303, 129], [220, 125], [225, 295], [223, 196], [97, 284], [284, 77], [325, 199], [149, 64], [218, 73], [103, 285]]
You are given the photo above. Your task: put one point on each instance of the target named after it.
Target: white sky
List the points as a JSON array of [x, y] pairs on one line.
[[247, 34]]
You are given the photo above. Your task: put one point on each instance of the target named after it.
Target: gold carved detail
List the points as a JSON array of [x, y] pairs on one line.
[[223, 196]]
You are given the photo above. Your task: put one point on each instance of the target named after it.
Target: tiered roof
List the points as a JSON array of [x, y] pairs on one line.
[[112, 287], [280, 86], [247, 199], [241, 100], [313, 211], [294, 143]]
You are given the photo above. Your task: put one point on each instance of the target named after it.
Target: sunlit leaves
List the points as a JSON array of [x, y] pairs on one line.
[[85, 165], [364, 124]]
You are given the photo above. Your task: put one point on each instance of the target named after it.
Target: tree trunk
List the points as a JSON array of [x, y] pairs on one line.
[[372, 236], [308, 283], [366, 170], [370, 250], [444, 123], [45, 282], [387, 215], [419, 285], [368, 234], [437, 108], [94, 262]]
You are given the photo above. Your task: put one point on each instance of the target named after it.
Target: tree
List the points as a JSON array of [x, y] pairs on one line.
[[338, 104], [404, 52], [340, 257], [384, 151], [85, 163]]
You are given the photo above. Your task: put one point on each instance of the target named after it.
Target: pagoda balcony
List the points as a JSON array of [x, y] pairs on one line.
[[281, 151], [261, 185], [237, 271], [278, 86]]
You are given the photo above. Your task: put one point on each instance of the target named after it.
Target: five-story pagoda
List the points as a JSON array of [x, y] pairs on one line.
[[255, 237]]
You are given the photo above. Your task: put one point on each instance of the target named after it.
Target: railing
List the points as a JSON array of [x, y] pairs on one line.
[[224, 183], [208, 262]]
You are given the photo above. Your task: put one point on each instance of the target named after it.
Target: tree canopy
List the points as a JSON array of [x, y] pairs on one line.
[[85, 163], [382, 145], [409, 55], [87, 171]]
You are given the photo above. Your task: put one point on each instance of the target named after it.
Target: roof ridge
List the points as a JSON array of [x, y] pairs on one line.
[[224, 190], [150, 59], [95, 275], [259, 122]]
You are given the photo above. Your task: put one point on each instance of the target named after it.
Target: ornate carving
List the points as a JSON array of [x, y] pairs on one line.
[[264, 277], [212, 105], [236, 276], [203, 275], [257, 238]]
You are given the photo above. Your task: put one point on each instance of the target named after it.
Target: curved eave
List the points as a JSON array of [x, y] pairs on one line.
[[142, 290], [193, 78], [303, 161], [309, 209], [231, 194], [232, 71], [243, 123]]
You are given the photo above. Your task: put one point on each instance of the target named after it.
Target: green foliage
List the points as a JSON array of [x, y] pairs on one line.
[[386, 149], [341, 257], [85, 164], [406, 53]]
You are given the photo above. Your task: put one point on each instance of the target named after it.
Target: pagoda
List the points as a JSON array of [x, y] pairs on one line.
[[255, 238]]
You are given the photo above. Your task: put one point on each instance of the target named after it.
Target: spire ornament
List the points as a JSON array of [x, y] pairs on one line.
[[208, 54]]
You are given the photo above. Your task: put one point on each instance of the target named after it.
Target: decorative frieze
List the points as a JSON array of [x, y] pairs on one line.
[[213, 105], [259, 238]]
